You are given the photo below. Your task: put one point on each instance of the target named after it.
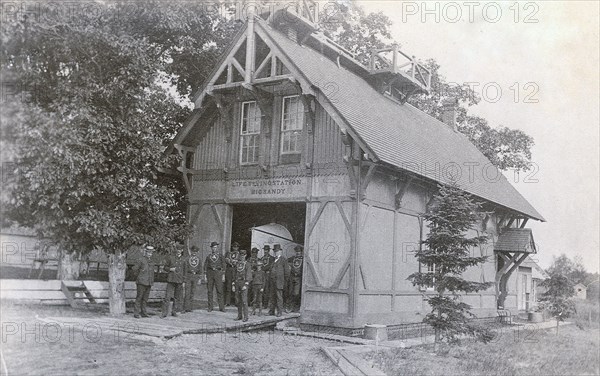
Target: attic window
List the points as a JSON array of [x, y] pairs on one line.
[[250, 133], [291, 125]]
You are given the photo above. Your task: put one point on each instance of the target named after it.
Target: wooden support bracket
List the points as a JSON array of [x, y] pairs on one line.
[[401, 190], [502, 276], [309, 103], [510, 222], [264, 100], [367, 179]]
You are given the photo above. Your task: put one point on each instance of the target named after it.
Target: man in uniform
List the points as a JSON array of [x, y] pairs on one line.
[[258, 287], [267, 261], [295, 284], [231, 258], [214, 268], [253, 260], [280, 272], [176, 267], [242, 277], [192, 278], [144, 269]]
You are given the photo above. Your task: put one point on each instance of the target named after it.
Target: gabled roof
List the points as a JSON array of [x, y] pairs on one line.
[[515, 240], [400, 134], [396, 134], [536, 271]]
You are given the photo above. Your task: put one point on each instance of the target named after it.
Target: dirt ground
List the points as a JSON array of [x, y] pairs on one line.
[[31, 347]]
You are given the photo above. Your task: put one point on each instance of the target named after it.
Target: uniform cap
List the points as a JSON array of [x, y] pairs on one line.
[[235, 244], [277, 247], [267, 246], [213, 244], [149, 248]]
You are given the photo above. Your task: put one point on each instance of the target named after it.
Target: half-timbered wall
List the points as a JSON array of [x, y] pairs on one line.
[[363, 220], [389, 234]]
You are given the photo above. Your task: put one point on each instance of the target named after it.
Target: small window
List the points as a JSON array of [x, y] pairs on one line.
[[250, 133], [291, 125]]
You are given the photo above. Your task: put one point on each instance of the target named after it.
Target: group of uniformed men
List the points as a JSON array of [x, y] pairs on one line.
[[271, 281]]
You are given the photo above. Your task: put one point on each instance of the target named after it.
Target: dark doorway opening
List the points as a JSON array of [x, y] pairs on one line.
[[246, 216]]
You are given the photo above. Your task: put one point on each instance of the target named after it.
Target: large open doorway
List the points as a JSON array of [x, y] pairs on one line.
[[246, 216], [281, 223]]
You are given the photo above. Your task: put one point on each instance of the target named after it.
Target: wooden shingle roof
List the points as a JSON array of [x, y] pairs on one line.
[[400, 134], [515, 240]]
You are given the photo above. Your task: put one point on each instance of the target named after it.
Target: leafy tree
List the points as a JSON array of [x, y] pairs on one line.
[[505, 148], [447, 250], [88, 122], [358, 32], [348, 25], [574, 269], [190, 36], [557, 298]]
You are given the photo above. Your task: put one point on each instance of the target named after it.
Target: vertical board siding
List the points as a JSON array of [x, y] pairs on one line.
[[211, 152], [328, 145]]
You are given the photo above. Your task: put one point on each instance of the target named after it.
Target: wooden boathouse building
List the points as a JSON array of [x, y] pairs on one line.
[[291, 129]]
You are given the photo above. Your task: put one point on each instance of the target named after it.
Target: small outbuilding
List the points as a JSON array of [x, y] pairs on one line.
[[580, 291]]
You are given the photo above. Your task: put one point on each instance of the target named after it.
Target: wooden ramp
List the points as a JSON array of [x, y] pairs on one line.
[[197, 322]]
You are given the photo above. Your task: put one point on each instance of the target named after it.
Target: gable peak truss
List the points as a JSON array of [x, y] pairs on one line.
[[251, 60]]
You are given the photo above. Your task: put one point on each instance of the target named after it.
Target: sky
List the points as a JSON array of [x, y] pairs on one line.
[[536, 67]]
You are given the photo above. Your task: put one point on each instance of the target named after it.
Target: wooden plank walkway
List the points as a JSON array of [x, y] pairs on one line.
[[196, 322]]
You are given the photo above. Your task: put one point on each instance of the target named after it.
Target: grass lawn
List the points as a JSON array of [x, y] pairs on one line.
[[36, 349], [573, 351]]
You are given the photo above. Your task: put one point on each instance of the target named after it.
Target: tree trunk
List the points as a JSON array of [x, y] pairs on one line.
[[116, 282], [68, 266]]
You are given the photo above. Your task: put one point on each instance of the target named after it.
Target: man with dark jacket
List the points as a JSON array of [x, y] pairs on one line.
[[267, 261], [214, 268], [231, 258], [258, 287], [242, 277], [280, 272], [192, 277], [176, 267], [144, 269], [295, 281]]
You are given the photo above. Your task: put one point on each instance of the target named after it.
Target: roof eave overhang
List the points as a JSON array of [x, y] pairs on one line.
[[434, 183]]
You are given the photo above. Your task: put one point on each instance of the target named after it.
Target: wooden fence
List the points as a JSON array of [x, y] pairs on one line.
[[49, 292]]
